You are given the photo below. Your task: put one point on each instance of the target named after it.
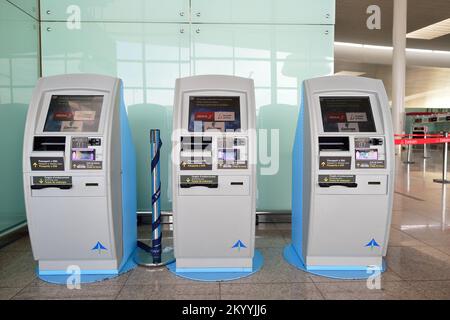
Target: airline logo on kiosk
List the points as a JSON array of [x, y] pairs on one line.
[[372, 244], [238, 245], [204, 116], [63, 116], [99, 247]]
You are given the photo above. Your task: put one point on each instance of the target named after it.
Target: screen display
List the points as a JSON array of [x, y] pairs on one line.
[[83, 155], [369, 154], [228, 155], [347, 114], [221, 114], [68, 113]]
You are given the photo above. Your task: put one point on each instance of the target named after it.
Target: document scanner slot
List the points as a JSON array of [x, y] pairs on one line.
[[49, 144], [207, 185], [328, 184], [334, 144], [58, 186]]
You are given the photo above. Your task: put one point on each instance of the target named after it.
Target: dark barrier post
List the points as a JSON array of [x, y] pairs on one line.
[[155, 255], [444, 164]]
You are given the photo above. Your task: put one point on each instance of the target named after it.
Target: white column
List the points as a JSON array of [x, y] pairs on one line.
[[399, 65]]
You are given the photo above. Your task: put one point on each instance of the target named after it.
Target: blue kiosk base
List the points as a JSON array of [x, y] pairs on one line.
[[63, 278], [344, 273], [258, 261]]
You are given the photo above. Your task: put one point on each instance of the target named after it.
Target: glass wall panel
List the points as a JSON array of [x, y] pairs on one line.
[[18, 74], [278, 58], [116, 10], [148, 57], [264, 11]]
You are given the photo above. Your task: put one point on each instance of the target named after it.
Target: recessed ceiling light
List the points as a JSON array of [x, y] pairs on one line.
[[432, 31]]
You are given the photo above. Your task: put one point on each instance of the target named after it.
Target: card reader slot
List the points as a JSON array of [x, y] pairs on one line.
[[236, 183], [58, 186], [207, 185], [334, 144], [342, 184]]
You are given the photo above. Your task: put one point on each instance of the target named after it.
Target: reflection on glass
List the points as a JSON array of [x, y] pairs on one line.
[[160, 74], [131, 74], [162, 97], [129, 50], [224, 67], [259, 70]]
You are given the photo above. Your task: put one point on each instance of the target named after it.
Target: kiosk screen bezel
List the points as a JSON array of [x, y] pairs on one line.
[[226, 106], [342, 124]]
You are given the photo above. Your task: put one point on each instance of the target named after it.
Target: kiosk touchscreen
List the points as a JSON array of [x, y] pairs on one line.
[[343, 174], [79, 175], [214, 178]]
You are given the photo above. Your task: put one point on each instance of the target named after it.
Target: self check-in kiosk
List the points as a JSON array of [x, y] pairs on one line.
[[79, 175], [214, 180], [343, 174]]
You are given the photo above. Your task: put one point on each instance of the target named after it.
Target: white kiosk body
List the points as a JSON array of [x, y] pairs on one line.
[[343, 174], [79, 175], [214, 173]]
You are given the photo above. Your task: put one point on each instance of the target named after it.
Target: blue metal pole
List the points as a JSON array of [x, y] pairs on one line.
[[155, 148]]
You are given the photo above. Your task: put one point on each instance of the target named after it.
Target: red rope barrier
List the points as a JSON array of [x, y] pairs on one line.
[[422, 141]]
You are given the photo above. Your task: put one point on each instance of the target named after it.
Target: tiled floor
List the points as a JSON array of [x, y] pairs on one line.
[[418, 260]]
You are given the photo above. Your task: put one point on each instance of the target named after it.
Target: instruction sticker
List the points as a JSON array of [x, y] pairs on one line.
[[336, 178], [370, 164], [87, 165], [195, 164], [232, 165], [187, 181], [47, 163], [52, 180], [335, 163]]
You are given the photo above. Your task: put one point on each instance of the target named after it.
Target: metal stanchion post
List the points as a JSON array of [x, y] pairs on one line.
[[154, 255], [425, 149], [444, 164], [408, 155]]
